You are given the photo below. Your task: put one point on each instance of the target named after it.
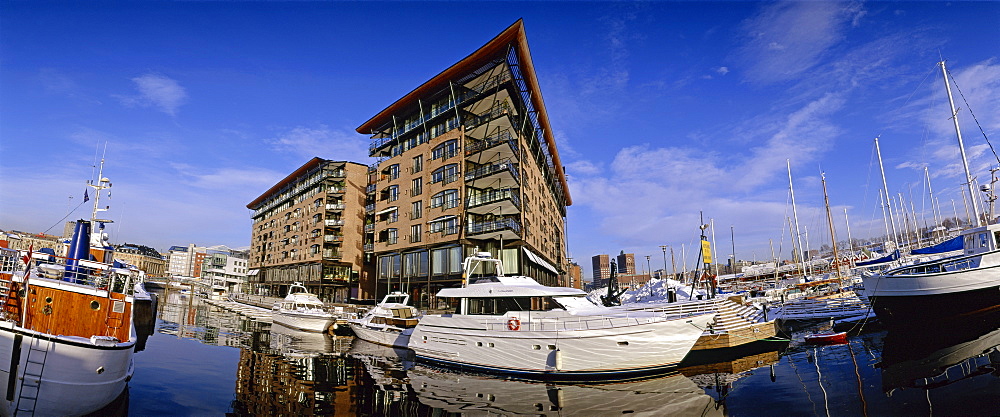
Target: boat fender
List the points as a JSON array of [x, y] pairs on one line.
[[514, 324]]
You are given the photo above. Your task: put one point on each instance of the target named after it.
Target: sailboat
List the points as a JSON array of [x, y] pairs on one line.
[[66, 334], [946, 287]]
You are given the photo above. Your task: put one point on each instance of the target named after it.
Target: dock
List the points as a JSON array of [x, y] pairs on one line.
[[736, 324], [842, 306], [254, 312]]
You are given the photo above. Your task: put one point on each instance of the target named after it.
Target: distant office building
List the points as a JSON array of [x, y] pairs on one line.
[[308, 228], [185, 261], [467, 162], [147, 259], [626, 264], [602, 267], [575, 276], [225, 269]]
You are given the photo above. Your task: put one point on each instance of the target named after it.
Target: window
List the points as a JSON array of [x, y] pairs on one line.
[[318, 203], [447, 174], [391, 193], [317, 218], [417, 210], [445, 150], [418, 187], [446, 261], [415, 233], [392, 171], [446, 199], [418, 163], [447, 225]]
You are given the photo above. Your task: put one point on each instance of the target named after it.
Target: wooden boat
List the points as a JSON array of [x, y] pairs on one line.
[[66, 332]]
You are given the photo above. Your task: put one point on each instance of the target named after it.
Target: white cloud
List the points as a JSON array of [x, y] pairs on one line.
[[722, 70], [324, 142], [158, 91], [786, 39]]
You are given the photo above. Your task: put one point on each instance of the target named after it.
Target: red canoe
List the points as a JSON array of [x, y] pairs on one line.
[[826, 338]]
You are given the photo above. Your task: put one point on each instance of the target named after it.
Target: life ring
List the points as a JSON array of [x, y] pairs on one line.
[[514, 324]]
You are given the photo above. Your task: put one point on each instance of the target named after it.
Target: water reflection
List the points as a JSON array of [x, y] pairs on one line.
[[930, 357]]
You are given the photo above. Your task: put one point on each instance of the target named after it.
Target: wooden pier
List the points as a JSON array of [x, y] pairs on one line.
[[736, 324]]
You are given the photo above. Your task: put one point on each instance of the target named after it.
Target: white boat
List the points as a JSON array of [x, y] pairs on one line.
[[67, 348], [302, 310], [941, 288], [513, 325], [389, 323], [946, 287]]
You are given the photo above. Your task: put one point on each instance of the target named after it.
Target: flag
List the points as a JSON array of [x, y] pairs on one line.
[[27, 258], [86, 197]]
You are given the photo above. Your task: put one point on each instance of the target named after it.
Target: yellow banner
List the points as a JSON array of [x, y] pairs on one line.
[[706, 251]]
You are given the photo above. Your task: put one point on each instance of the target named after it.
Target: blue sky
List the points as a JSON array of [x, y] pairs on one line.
[[660, 110]]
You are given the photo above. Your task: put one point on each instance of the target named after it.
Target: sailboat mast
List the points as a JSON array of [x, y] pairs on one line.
[[850, 240], [885, 188], [795, 215], [935, 209], [829, 219], [961, 146]]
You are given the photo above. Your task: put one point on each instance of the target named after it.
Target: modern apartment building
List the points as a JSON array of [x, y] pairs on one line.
[[308, 228], [467, 162], [575, 276], [601, 266]]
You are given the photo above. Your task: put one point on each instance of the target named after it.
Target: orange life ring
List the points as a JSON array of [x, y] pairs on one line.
[[514, 324]]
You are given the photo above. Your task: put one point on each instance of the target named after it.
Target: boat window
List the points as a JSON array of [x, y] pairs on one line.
[[983, 242], [497, 306], [996, 239]]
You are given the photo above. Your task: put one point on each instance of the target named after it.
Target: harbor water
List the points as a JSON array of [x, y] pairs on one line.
[[202, 360]]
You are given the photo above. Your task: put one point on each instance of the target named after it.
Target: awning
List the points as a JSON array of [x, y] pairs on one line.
[[253, 272], [442, 218], [539, 261], [388, 210]]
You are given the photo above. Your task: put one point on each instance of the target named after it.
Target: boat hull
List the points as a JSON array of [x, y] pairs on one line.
[[918, 309], [305, 322], [538, 350], [382, 336], [77, 377]]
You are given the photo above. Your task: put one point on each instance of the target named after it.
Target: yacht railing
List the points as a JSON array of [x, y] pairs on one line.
[[610, 321]]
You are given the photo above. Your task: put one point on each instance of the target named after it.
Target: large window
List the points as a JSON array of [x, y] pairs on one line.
[[415, 233], [446, 174], [446, 225], [418, 187], [445, 150], [418, 163], [415, 264], [446, 199], [446, 261], [417, 210]]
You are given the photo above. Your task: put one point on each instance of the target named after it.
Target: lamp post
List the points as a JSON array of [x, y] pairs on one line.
[[664, 248], [648, 269]]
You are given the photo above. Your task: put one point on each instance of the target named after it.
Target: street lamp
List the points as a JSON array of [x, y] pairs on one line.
[[647, 266], [664, 248]]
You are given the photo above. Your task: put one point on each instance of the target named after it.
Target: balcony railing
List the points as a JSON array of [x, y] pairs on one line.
[[370, 228], [474, 146], [370, 188], [338, 206], [369, 208], [494, 226], [333, 238], [332, 254], [474, 91], [493, 197], [335, 190], [369, 247], [333, 222], [494, 168]]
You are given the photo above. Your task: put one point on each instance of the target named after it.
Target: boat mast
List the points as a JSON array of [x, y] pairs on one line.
[[850, 240], [795, 215], [961, 147], [829, 219], [935, 209], [885, 188]]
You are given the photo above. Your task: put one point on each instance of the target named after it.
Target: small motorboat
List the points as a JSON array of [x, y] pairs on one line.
[[826, 338]]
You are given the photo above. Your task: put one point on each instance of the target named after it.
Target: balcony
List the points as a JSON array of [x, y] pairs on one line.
[[333, 238], [506, 201], [507, 228], [370, 228], [369, 208], [502, 145], [335, 207], [370, 188], [501, 174], [333, 255], [369, 247], [498, 118], [379, 146], [334, 222], [335, 190]]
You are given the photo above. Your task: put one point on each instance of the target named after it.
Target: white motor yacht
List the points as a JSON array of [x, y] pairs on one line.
[[302, 310], [389, 323], [513, 325]]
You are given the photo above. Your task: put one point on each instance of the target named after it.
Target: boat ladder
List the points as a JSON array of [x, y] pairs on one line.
[[31, 378], [116, 313]]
